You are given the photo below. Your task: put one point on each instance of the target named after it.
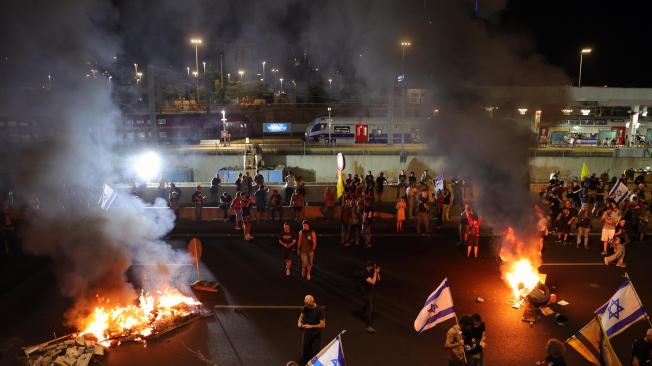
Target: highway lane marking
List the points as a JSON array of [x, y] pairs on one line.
[[574, 264], [291, 307]]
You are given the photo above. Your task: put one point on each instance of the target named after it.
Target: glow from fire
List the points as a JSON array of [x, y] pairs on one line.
[[522, 277], [520, 263], [137, 321]]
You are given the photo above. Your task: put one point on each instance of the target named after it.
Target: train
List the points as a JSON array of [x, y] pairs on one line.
[[363, 130]]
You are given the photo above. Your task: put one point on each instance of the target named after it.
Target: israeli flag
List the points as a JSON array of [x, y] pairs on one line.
[[439, 183], [107, 197], [619, 192], [622, 310], [331, 355], [438, 308]]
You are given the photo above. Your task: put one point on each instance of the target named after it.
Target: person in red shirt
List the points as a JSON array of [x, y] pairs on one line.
[[328, 209], [473, 234]]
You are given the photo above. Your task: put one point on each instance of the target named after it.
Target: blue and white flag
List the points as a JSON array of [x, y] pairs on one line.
[[622, 310], [331, 355], [439, 183], [619, 192], [438, 308], [107, 197]]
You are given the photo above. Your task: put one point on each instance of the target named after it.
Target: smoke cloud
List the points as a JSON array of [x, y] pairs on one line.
[[92, 250]]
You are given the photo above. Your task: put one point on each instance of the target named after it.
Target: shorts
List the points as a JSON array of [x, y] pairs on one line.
[[287, 253], [473, 241], [306, 259], [607, 234]]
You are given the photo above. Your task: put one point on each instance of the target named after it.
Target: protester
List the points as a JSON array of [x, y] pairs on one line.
[[473, 234], [583, 226], [370, 277], [599, 200], [369, 180], [261, 202], [411, 194], [175, 189], [402, 184], [275, 206], [455, 346], [445, 204], [565, 221], [297, 204], [249, 182], [290, 182], [542, 227], [306, 249], [238, 183], [609, 220], [287, 241], [311, 322], [422, 215], [225, 204], [246, 215], [215, 189], [198, 201], [328, 207], [236, 206], [555, 350], [474, 335], [367, 222], [259, 179], [381, 181], [346, 217], [400, 214], [174, 203], [619, 253], [642, 350], [356, 220], [464, 222]]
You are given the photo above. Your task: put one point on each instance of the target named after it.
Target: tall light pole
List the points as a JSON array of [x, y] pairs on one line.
[[329, 125], [330, 84], [281, 80], [188, 70], [196, 42], [264, 62], [224, 134], [136, 68], [582, 52], [204, 63], [241, 73], [404, 45]]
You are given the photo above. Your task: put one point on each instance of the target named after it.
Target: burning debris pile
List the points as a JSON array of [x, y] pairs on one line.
[[108, 326]]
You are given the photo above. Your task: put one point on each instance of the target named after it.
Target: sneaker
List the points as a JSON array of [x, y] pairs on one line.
[[287, 272], [371, 329]]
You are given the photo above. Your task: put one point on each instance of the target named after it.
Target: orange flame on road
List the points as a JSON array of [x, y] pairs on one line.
[[139, 321], [520, 263]]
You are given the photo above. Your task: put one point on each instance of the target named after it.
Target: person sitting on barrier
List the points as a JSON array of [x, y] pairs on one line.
[[225, 204]]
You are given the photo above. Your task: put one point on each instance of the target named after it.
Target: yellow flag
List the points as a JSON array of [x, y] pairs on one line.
[[593, 344], [585, 171], [340, 184]]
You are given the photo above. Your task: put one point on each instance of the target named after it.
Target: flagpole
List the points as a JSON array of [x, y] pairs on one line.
[[341, 342], [458, 323], [647, 317]]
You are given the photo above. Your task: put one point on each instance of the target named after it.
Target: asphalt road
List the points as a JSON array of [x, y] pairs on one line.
[[251, 274]]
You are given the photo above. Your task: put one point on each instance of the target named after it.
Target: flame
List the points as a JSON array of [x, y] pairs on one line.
[[522, 277], [520, 263], [138, 321]]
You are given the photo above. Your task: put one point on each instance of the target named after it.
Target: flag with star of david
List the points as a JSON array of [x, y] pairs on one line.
[[331, 355], [622, 310], [438, 308], [593, 344]]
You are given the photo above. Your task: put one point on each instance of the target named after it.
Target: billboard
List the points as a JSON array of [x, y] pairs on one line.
[[276, 127]]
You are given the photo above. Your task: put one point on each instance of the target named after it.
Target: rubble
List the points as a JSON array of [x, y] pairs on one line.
[[69, 350]]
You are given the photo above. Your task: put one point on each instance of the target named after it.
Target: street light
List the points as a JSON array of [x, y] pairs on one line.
[[404, 45], [582, 52], [204, 63], [188, 70], [264, 62], [136, 68], [281, 79], [330, 84], [139, 76], [197, 42], [329, 125], [228, 79], [241, 73]]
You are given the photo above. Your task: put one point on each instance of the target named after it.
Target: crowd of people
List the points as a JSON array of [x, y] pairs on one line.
[[568, 209]]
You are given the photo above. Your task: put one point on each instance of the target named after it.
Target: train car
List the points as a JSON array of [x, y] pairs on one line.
[[363, 130], [179, 129]]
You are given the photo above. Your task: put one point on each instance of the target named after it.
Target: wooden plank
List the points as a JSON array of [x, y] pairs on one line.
[[84, 360]]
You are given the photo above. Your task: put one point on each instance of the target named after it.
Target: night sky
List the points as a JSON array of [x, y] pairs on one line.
[[618, 31]]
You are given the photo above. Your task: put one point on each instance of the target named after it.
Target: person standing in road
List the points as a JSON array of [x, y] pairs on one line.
[[246, 216], [311, 322], [367, 222], [215, 189], [238, 183], [422, 214], [400, 214], [455, 346], [609, 220], [287, 241], [306, 249], [369, 181], [402, 184], [446, 204], [370, 277], [297, 202], [473, 234], [583, 227], [198, 200], [261, 202], [328, 208], [236, 206], [275, 206], [411, 194], [346, 217], [381, 181], [642, 350]]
